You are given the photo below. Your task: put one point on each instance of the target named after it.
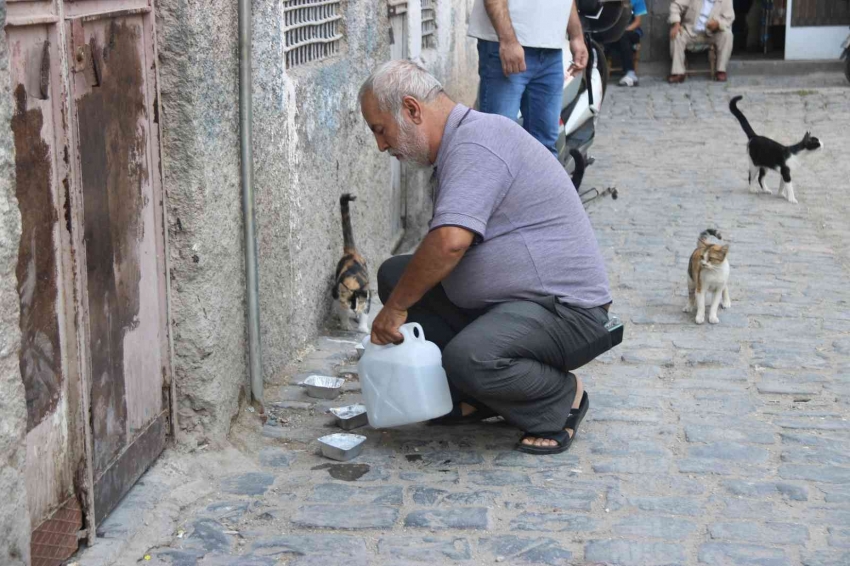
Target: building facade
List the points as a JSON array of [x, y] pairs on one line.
[[122, 295]]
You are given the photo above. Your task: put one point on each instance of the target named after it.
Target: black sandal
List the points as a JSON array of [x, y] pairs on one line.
[[562, 437], [577, 415], [456, 416]]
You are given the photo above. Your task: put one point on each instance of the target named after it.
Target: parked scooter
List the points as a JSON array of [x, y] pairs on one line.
[[845, 54], [603, 21]]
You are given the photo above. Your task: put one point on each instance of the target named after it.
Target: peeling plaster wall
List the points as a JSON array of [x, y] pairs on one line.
[[310, 146], [14, 513]]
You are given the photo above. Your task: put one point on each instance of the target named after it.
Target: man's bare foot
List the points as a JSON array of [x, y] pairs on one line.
[[545, 442], [466, 409]]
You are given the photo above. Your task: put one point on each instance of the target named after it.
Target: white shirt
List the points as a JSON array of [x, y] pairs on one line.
[[537, 23], [702, 20]]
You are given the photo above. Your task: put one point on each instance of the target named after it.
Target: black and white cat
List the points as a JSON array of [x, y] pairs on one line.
[[767, 154]]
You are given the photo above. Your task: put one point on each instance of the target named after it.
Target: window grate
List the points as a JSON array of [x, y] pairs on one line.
[[429, 24], [312, 29]]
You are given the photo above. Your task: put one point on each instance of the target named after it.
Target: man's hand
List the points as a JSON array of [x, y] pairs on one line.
[[512, 56], [712, 26], [386, 324], [675, 29], [579, 52], [437, 255]]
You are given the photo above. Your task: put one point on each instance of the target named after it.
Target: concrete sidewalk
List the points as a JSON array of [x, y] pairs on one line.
[[717, 444]]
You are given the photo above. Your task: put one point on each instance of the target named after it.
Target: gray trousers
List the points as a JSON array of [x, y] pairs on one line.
[[514, 357]]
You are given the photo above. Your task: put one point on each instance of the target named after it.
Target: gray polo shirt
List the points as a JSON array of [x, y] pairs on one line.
[[533, 236]]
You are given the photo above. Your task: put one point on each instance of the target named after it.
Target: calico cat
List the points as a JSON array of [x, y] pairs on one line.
[[351, 286], [767, 154], [708, 270]]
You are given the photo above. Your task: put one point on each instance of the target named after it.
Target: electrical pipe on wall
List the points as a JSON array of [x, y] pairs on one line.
[[255, 367]]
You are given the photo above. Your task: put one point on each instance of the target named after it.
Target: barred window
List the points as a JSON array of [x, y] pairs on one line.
[[312, 29], [429, 23]]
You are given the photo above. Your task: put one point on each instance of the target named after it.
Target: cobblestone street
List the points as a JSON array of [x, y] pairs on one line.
[[717, 444]]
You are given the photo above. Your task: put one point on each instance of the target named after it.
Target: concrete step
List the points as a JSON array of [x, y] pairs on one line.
[[775, 68]]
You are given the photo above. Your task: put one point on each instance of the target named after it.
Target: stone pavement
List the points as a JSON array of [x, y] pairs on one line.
[[716, 444]]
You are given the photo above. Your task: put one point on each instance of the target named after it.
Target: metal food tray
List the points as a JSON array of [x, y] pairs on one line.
[[342, 446], [350, 416], [323, 386]]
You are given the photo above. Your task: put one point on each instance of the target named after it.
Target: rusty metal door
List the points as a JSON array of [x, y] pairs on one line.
[[49, 364], [111, 51], [92, 269]]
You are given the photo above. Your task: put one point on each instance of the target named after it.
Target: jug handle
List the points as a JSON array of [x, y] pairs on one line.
[[409, 331], [406, 330]]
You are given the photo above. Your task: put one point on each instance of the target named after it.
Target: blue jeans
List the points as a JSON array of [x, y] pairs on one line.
[[538, 92]]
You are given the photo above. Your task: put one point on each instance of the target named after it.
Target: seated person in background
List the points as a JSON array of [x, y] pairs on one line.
[[700, 23], [624, 49]]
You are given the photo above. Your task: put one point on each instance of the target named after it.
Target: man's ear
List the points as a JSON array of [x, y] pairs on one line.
[[413, 109]]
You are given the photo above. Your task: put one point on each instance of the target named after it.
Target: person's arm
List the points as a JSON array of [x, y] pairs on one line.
[[677, 10], [724, 18], [511, 52], [436, 257], [578, 49], [634, 25]]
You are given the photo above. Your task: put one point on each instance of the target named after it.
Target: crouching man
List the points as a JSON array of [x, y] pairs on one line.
[[509, 282]]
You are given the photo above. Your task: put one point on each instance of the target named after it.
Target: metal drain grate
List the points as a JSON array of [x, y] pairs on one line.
[[312, 29], [56, 539], [429, 24]]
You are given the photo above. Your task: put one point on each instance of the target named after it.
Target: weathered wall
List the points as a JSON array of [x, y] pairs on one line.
[[200, 147], [454, 61], [14, 514], [655, 45], [310, 146]]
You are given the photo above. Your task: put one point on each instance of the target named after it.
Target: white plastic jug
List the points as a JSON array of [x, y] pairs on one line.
[[404, 383]]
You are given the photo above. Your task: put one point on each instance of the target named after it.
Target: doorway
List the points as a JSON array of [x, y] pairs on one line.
[[759, 29]]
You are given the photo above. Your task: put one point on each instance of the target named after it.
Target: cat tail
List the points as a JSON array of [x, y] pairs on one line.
[[733, 106], [708, 232], [347, 233]]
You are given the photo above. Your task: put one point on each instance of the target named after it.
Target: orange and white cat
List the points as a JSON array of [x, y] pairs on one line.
[[708, 271]]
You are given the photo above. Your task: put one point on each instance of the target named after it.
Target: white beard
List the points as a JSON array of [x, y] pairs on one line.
[[412, 145]]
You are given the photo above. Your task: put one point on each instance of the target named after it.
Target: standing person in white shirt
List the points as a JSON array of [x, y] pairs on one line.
[[700, 22], [520, 60]]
